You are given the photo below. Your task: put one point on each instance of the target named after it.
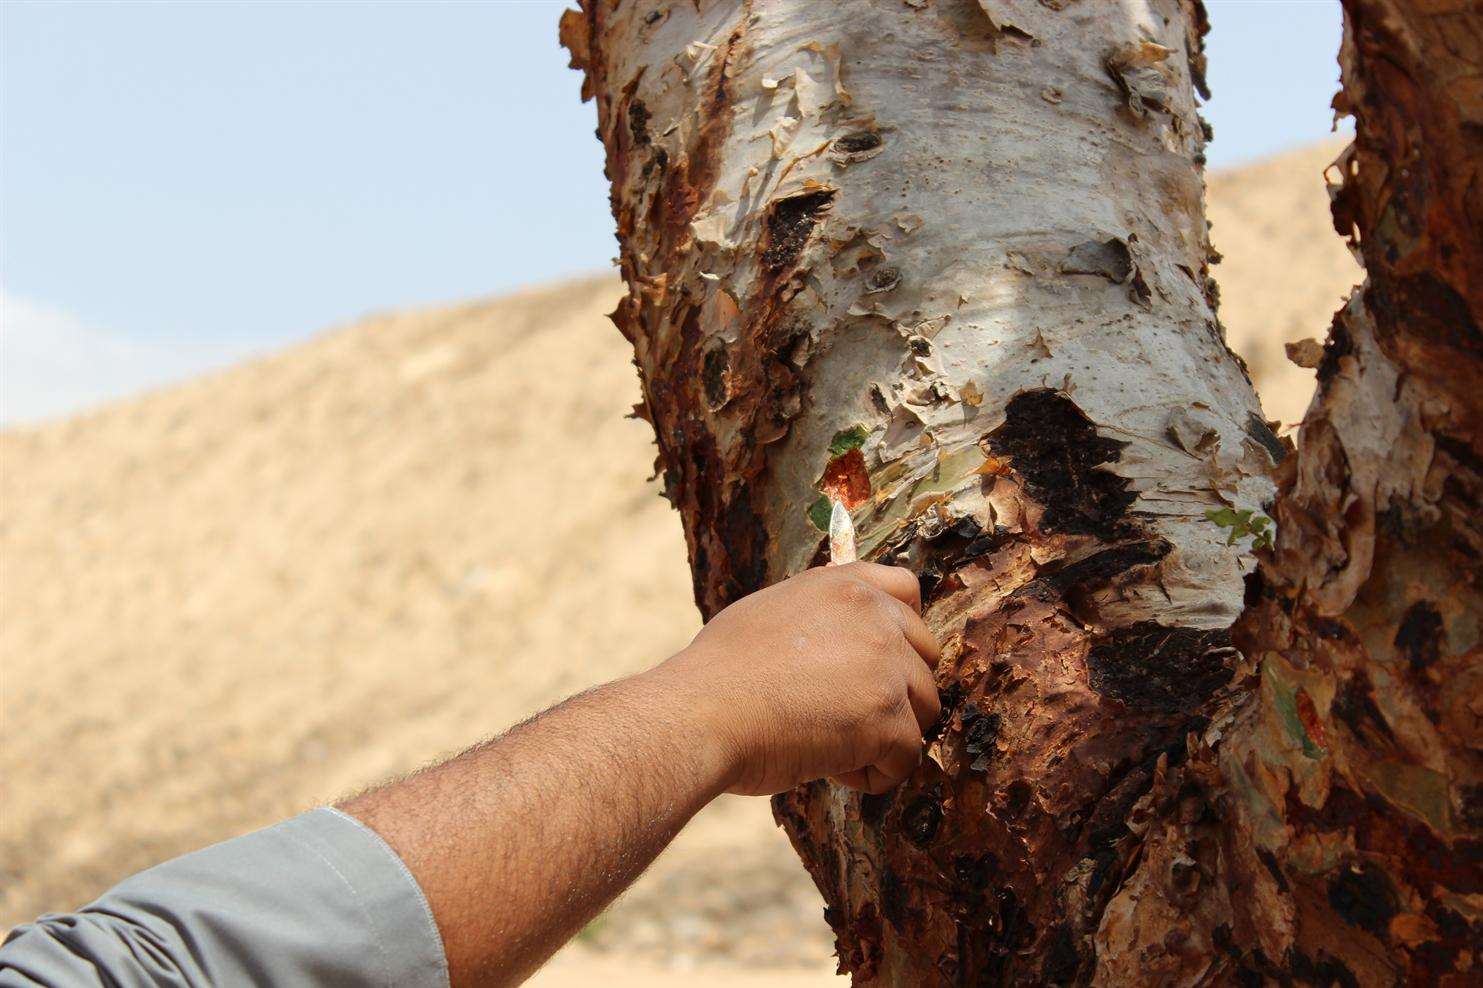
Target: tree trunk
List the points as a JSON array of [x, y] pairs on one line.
[[947, 260], [1350, 778]]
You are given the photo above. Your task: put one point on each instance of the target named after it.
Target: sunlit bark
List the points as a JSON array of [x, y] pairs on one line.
[[948, 260]]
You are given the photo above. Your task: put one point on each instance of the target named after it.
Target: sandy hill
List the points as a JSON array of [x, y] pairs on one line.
[[233, 599]]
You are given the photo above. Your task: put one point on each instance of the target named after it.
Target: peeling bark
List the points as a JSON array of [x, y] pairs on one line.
[[1350, 777], [948, 259]]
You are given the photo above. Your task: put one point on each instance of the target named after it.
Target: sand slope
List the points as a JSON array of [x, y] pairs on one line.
[[1285, 271], [230, 600]]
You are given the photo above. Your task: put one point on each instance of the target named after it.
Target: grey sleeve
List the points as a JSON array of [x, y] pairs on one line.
[[319, 899]]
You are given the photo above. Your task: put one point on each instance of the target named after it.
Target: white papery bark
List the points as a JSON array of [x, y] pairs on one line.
[[968, 239], [956, 256]]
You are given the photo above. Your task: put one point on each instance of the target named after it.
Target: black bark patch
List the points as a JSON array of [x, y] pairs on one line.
[[1354, 704], [745, 538], [1339, 345], [1106, 834], [1470, 806], [948, 698], [1155, 668], [1363, 897], [1438, 958], [1014, 929], [1325, 972], [1449, 922], [638, 122], [975, 871], [894, 899], [883, 279], [859, 146], [713, 377], [1460, 451], [1108, 822], [1269, 861], [1331, 629], [873, 807], [1109, 259], [855, 143], [1100, 567], [1456, 490], [1248, 977], [1255, 589], [1016, 799], [1104, 862], [949, 549], [789, 223], [1419, 636], [1062, 959], [1398, 523], [1056, 449], [784, 812], [920, 819], [980, 730], [1258, 429]]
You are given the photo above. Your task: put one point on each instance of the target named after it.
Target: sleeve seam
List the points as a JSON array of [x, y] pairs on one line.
[[430, 923], [370, 920]]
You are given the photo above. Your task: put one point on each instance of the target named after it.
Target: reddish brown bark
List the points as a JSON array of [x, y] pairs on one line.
[[1369, 610]]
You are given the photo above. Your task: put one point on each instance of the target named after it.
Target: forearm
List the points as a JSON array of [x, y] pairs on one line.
[[515, 844], [520, 841]]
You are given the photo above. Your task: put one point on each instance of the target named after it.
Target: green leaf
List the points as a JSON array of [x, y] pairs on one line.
[[1242, 523], [1224, 517], [852, 438], [819, 513]]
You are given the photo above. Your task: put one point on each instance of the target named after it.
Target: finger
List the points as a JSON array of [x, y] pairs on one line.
[[918, 634], [876, 782], [852, 780], [922, 689], [902, 757], [899, 583]]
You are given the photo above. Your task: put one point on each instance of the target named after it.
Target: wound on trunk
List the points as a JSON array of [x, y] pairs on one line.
[[789, 223], [1055, 448], [1151, 667]]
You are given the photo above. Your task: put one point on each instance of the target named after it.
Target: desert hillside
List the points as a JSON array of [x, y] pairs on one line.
[[230, 600]]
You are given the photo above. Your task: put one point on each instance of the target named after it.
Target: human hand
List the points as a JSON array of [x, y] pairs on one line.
[[825, 674]]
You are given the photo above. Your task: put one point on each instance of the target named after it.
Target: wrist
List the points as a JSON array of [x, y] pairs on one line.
[[704, 717]]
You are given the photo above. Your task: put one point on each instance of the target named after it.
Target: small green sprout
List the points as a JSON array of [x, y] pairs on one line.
[[1243, 523]]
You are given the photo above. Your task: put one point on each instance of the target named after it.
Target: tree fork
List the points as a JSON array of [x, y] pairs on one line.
[[1350, 779], [948, 260]]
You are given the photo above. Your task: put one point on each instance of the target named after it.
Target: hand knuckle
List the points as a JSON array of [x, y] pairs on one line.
[[854, 595], [879, 701], [881, 668], [879, 639]]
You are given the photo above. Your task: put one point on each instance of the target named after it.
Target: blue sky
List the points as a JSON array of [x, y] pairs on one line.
[[182, 184]]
